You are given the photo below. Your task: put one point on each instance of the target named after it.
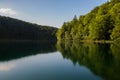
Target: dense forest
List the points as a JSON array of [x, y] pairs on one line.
[[14, 29], [102, 23]]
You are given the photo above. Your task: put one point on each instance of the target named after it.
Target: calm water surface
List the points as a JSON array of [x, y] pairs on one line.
[[61, 61]]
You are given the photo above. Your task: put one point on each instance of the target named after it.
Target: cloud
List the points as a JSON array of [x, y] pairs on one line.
[[7, 11], [6, 67]]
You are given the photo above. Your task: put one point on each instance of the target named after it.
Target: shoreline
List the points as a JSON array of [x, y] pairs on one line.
[[97, 41], [83, 41], [36, 41], [89, 41]]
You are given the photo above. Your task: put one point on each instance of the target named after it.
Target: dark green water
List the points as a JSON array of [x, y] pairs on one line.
[[60, 61]]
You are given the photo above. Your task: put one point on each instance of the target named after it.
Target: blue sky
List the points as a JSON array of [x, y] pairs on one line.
[[47, 12]]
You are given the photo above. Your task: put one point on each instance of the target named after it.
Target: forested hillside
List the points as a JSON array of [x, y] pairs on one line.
[[14, 29], [102, 23]]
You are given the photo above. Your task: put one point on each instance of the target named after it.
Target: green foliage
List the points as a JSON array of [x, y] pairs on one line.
[[116, 32], [115, 1], [102, 23], [67, 35], [115, 11], [13, 29], [100, 28]]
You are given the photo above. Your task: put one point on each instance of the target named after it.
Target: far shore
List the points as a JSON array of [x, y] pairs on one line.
[[27, 41], [89, 41]]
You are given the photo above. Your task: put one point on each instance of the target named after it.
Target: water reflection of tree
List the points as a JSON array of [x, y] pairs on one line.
[[102, 59], [14, 50]]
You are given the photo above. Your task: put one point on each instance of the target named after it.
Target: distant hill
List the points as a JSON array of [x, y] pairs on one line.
[[102, 23], [14, 29]]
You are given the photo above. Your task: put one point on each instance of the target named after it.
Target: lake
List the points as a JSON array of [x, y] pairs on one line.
[[59, 61]]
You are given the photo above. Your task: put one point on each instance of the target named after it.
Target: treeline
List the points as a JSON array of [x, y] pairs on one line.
[[14, 29], [102, 23]]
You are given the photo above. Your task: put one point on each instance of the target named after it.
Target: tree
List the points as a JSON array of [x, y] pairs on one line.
[[100, 28], [115, 12], [67, 35], [115, 1], [14, 29], [102, 23], [116, 32]]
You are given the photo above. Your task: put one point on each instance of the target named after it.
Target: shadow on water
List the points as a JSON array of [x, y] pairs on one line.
[[102, 59], [14, 50]]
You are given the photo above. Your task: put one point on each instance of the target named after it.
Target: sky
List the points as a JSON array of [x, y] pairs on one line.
[[47, 12]]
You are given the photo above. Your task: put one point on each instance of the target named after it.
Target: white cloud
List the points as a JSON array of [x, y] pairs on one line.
[[7, 11], [6, 67]]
